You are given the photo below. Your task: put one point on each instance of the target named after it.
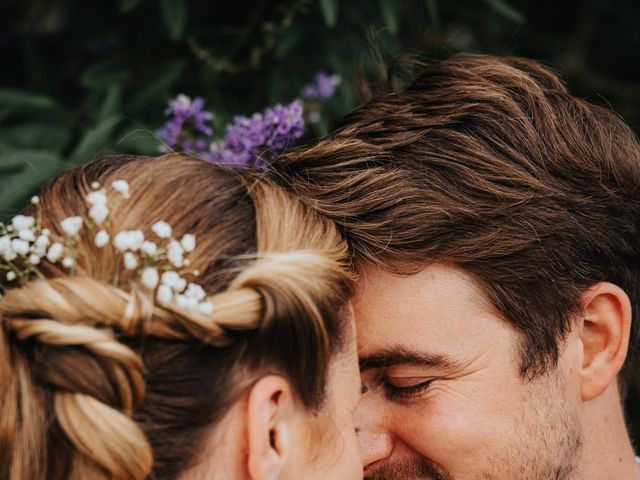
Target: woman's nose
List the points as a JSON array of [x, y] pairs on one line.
[[375, 441]]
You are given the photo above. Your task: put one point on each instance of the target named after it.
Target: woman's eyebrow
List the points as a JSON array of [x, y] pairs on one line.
[[404, 355]]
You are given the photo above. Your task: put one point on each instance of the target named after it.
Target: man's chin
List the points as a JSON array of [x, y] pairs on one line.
[[411, 469]]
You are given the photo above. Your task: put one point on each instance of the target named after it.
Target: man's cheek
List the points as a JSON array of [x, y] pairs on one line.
[[444, 426]]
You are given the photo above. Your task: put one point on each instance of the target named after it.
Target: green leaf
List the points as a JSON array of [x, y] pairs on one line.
[[329, 12], [389, 9], [11, 162], [31, 169], [18, 101], [128, 5], [174, 13], [5, 147], [103, 75], [434, 14], [94, 140], [111, 104], [156, 90], [502, 8], [36, 135]]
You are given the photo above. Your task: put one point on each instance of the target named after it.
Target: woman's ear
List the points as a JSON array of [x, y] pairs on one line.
[[605, 337], [271, 427]]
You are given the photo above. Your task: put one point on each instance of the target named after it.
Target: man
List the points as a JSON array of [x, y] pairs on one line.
[[495, 224]]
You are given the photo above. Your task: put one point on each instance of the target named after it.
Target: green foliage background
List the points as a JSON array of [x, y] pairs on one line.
[[84, 78]]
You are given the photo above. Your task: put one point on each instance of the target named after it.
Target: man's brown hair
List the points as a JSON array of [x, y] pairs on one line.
[[491, 165]]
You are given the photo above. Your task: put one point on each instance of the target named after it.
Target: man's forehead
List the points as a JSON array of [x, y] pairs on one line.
[[375, 281], [435, 313]]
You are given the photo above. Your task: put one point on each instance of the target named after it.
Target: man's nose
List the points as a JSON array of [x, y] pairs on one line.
[[376, 443]]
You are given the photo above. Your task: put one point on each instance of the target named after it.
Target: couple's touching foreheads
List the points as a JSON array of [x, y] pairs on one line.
[[445, 287]]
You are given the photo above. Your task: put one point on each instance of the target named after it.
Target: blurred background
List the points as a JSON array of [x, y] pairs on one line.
[[80, 79]]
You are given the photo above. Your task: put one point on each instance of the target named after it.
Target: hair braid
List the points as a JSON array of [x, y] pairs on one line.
[[93, 404], [98, 381]]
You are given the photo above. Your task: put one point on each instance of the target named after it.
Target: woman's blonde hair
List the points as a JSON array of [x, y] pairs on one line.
[[97, 381]]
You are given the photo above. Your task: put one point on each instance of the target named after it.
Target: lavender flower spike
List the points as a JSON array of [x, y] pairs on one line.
[[323, 87], [186, 113]]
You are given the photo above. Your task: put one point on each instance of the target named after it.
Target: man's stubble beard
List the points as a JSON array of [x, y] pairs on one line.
[[546, 445]]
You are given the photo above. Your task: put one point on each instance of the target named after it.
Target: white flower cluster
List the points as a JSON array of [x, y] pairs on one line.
[[23, 245], [22, 240]]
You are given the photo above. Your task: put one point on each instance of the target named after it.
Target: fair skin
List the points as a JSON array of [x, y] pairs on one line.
[[269, 435], [443, 396]]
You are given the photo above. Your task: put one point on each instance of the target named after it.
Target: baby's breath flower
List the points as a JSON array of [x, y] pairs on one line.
[[205, 308], [195, 291], [130, 261], [98, 213], [174, 281], [42, 241], [40, 246], [19, 246], [128, 240], [24, 238], [27, 234], [136, 239], [164, 295], [188, 242], [97, 197], [22, 222], [71, 225], [186, 303], [9, 255], [175, 253], [149, 248], [5, 243], [161, 229], [102, 238], [149, 277], [55, 252], [35, 200], [122, 187]]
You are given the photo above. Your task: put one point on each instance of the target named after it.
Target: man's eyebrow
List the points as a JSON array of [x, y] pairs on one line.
[[404, 355]]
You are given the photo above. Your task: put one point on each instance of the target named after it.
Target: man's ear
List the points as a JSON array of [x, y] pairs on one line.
[[270, 427], [605, 337]]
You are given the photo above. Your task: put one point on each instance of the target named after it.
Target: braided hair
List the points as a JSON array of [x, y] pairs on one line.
[[98, 381]]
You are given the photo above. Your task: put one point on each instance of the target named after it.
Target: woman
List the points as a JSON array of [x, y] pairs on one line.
[[171, 318]]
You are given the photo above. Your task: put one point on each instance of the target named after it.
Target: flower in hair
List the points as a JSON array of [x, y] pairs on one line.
[[55, 252], [71, 225], [24, 244], [129, 240], [22, 222], [161, 229], [149, 277], [149, 248], [188, 242], [122, 187], [101, 239], [130, 261]]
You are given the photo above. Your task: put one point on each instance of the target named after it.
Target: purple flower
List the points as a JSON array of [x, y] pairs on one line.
[[323, 87], [286, 125], [256, 140], [186, 114]]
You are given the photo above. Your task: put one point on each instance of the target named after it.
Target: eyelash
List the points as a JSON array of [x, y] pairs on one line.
[[405, 392]]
